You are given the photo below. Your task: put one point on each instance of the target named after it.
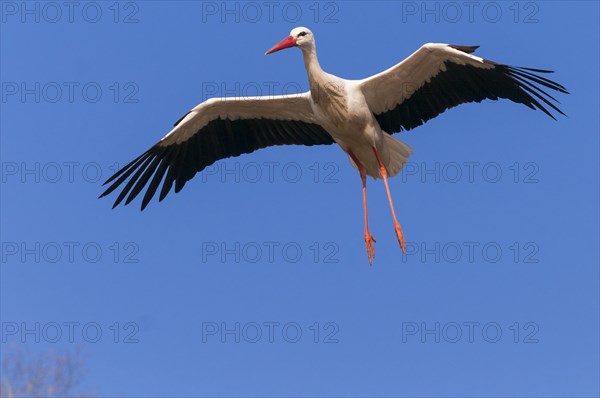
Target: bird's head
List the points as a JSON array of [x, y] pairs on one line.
[[299, 37]]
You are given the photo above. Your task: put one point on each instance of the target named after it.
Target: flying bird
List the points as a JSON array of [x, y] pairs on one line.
[[358, 115]]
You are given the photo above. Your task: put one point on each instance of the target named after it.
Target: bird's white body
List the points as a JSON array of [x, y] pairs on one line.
[[340, 106]]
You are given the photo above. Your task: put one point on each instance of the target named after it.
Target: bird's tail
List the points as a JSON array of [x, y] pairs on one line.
[[398, 154], [393, 152]]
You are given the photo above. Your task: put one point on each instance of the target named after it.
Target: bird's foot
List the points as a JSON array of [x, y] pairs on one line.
[[369, 240], [400, 237]]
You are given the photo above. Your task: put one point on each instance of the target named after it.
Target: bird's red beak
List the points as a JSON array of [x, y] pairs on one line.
[[285, 43]]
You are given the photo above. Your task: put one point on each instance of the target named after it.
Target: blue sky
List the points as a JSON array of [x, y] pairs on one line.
[[254, 281]]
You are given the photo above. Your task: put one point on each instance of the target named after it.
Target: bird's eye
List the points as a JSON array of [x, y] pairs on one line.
[[301, 34]]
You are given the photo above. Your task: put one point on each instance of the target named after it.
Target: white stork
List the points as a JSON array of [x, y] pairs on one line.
[[358, 115]]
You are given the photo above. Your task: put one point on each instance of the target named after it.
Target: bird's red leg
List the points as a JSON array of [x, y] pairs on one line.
[[369, 240], [397, 227]]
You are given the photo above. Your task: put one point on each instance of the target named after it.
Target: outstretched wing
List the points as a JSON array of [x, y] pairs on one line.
[[441, 76], [217, 129]]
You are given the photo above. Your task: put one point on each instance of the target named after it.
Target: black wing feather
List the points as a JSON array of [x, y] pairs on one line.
[[460, 84], [219, 139]]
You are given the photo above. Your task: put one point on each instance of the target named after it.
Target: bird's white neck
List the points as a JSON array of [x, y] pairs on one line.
[[311, 63]]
